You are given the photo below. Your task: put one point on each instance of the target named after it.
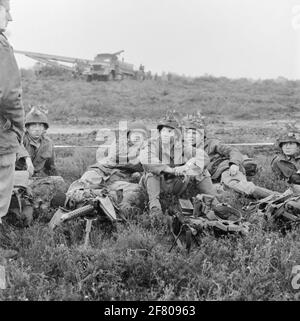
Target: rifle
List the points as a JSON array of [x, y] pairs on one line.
[[286, 206]]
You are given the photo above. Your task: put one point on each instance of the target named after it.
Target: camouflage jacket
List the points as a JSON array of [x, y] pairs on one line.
[[42, 156], [11, 107], [221, 157], [284, 166], [155, 157]]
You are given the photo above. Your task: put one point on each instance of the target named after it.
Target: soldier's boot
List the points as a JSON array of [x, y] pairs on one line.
[[156, 212]]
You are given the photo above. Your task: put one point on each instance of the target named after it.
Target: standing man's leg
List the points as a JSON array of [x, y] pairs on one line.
[[7, 170]]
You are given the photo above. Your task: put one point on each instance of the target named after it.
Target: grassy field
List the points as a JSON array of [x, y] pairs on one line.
[[75, 101], [133, 262]]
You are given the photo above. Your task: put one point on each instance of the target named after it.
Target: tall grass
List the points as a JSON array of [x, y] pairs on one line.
[[132, 261]]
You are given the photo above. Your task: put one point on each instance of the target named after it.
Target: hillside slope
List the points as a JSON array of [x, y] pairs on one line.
[[75, 101]]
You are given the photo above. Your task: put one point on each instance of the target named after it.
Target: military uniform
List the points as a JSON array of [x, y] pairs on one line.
[[221, 158], [11, 121], [120, 170], [156, 158], [40, 150], [45, 185], [287, 167], [41, 153], [284, 166]]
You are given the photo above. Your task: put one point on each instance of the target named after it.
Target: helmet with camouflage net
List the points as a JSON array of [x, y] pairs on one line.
[[288, 138], [36, 115], [168, 123], [169, 120], [194, 121]]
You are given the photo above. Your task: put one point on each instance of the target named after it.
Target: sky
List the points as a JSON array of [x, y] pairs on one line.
[[257, 39]]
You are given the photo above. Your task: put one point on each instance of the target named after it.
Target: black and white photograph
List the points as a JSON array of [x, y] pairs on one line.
[[149, 153]]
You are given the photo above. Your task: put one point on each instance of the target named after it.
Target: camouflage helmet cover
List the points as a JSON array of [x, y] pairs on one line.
[[36, 115], [288, 138], [169, 120], [194, 121]]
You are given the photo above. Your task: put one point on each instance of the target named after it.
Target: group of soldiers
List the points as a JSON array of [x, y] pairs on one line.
[[142, 164], [178, 155]]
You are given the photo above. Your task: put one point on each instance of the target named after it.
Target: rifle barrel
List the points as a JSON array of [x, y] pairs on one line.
[[78, 212]]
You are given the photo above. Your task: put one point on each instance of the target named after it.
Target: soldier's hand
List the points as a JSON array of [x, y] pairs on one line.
[[29, 165], [233, 170], [180, 171], [135, 177]]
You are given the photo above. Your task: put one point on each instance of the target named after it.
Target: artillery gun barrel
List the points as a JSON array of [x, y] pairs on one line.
[[35, 55]]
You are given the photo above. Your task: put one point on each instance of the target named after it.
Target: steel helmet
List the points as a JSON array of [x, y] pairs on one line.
[[36, 115], [169, 120], [137, 127], [168, 123], [288, 138], [195, 121]]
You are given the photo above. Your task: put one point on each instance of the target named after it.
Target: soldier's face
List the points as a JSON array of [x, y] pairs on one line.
[[167, 135], [290, 149], [36, 130], [5, 15], [136, 137], [194, 137]]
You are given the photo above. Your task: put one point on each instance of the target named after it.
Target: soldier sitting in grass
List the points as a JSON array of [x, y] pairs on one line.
[[170, 166], [226, 162], [287, 163], [119, 171], [36, 155], [38, 149]]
